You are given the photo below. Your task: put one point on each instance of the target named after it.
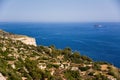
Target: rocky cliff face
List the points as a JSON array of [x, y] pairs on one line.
[[25, 39]]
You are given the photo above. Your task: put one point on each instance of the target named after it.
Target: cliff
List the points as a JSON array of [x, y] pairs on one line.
[[26, 40], [23, 38], [19, 61]]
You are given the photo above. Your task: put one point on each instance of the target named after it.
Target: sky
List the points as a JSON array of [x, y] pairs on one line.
[[59, 10]]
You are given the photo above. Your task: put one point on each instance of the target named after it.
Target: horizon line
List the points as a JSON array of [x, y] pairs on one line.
[[58, 22]]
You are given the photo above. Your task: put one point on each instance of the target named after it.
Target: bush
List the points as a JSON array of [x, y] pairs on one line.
[[84, 68], [111, 73], [97, 66], [86, 58], [4, 53], [13, 76], [72, 75], [67, 52], [75, 57], [100, 77], [10, 58], [52, 65], [34, 71]]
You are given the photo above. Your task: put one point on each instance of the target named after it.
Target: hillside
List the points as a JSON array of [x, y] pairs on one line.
[[20, 61]]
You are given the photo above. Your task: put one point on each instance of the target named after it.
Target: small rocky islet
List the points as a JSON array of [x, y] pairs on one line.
[[22, 59]]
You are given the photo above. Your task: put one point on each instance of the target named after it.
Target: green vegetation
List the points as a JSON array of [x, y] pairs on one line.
[[100, 77], [97, 66], [52, 65], [72, 75], [84, 68]]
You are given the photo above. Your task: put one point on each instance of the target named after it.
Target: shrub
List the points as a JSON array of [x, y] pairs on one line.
[[13, 76], [52, 65], [84, 68], [72, 75], [111, 73], [86, 58], [100, 77], [75, 57], [97, 66]]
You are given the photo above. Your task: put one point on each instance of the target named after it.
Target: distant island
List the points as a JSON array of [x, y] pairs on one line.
[[22, 59]]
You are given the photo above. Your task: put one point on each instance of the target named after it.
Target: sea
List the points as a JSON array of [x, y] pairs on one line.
[[98, 40]]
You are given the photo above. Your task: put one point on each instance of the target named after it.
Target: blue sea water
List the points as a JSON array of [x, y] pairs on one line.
[[99, 43]]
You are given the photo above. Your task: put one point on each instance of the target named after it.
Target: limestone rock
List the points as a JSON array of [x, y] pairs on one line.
[[2, 77], [26, 40]]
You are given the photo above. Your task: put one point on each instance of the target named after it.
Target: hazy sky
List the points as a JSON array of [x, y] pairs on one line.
[[60, 10]]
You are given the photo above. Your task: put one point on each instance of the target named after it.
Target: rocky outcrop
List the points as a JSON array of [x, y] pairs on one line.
[[26, 40], [2, 77], [22, 38]]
